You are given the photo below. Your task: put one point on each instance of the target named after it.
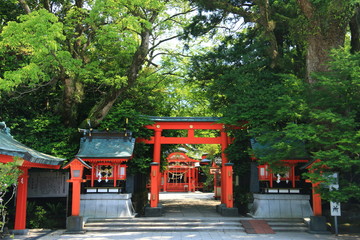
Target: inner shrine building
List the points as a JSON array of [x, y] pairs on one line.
[[98, 177]]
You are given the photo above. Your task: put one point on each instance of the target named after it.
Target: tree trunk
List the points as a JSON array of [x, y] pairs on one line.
[[269, 26], [318, 52], [355, 31], [326, 31], [25, 6], [72, 96], [102, 108]]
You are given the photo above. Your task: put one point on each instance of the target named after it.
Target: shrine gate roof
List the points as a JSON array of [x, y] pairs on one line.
[[184, 119], [106, 145], [298, 152], [9, 146]]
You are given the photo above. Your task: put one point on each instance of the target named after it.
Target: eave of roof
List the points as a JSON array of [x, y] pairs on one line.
[[9, 146]]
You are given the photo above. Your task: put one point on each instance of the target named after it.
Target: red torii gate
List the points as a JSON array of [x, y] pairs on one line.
[[190, 124]]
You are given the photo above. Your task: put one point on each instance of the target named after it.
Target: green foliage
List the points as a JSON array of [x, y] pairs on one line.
[[9, 174], [286, 116], [46, 133], [334, 123], [36, 40], [48, 215], [36, 215], [209, 183]]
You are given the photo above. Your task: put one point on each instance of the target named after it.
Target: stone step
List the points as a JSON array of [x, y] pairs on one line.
[[187, 224], [126, 220], [161, 224], [290, 229], [166, 225], [288, 225], [164, 229]]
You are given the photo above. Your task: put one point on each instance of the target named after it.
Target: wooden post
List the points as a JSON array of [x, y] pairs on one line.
[[165, 180], [76, 187], [224, 180], [229, 185], [93, 171], [157, 145], [316, 199], [154, 184], [21, 199], [115, 173], [293, 176]]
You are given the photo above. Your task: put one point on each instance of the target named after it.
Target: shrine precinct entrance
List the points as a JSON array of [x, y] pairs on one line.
[[190, 124]]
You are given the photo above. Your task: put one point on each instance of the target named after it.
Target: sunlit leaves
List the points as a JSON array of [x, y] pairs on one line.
[[36, 41]]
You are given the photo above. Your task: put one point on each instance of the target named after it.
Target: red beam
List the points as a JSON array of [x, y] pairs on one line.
[[39, 165], [105, 160], [5, 158], [183, 140], [186, 125]]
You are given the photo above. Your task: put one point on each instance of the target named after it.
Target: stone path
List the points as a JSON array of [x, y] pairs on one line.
[[189, 205]]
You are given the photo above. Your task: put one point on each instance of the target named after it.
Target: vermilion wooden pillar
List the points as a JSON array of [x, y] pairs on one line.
[[316, 199], [224, 183], [21, 199], [154, 184], [157, 145], [156, 158], [229, 184], [165, 180], [76, 187]]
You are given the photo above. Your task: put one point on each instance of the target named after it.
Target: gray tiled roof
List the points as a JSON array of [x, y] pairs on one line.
[[106, 145], [9, 146]]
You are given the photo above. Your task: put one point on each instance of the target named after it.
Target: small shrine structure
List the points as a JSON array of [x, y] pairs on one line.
[[282, 195], [98, 177], [181, 174], [12, 150]]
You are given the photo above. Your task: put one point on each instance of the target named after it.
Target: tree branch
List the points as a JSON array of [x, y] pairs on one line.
[[25, 6], [164, 40]]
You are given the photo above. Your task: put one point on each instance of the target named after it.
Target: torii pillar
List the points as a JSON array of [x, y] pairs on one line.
[[226, 208], [154, 210]]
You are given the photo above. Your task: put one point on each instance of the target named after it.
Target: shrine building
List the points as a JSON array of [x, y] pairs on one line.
[[27, 158], [99, 182]]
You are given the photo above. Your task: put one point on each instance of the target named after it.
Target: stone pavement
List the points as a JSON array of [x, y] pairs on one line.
[[187, 205], [60, 235]]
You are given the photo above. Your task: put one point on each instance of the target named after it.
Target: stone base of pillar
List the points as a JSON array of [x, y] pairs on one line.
[[75, 224], [227, 212], [19, 232], [318, 225], [154, 211]]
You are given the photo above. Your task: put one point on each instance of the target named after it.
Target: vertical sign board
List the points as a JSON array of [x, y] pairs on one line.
[[335, 209]]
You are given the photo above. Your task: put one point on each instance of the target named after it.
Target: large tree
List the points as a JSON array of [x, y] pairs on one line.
[[297, 97], [320, 25], [91, 51]]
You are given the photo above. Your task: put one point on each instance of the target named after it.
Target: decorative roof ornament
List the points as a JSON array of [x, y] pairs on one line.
[[4, 129]]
